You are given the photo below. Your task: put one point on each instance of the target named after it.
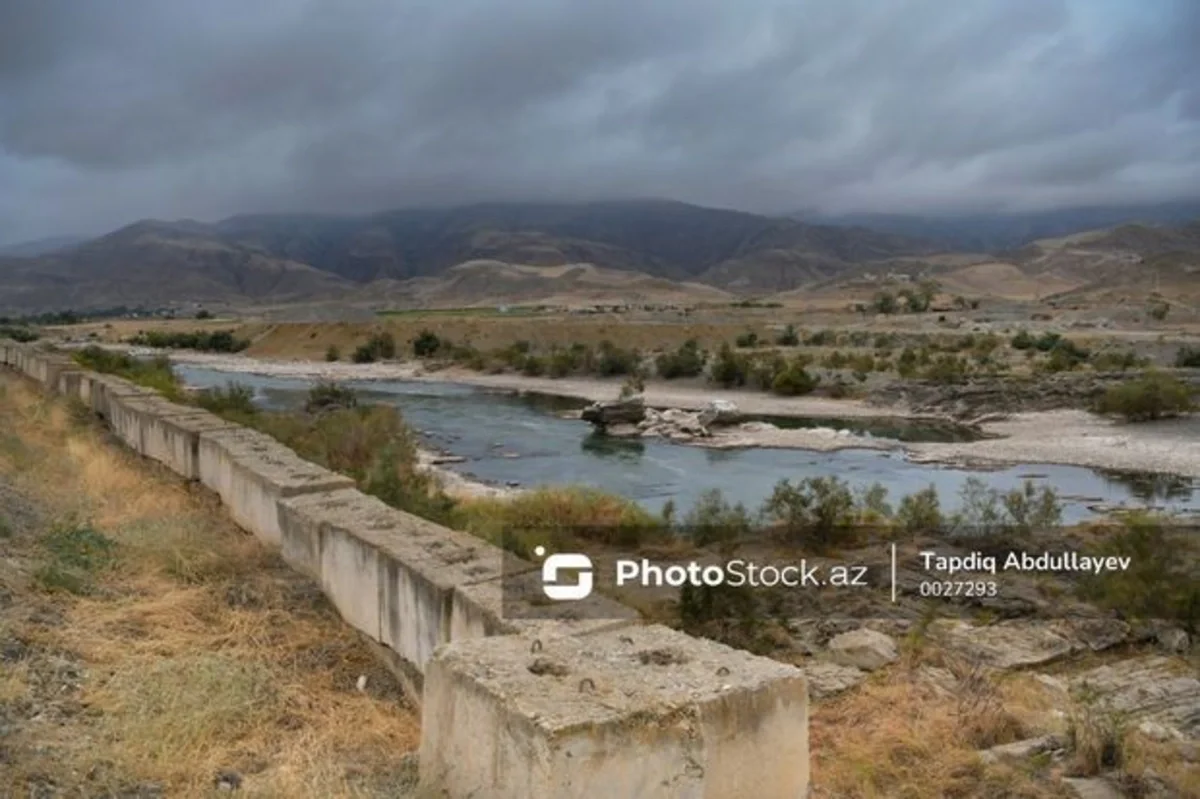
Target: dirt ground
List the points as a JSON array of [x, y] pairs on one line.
[[150, 648]]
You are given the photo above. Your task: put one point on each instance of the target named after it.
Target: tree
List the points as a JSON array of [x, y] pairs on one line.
[[886, 302]]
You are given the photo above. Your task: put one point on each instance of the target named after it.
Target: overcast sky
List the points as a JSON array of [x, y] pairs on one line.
[[118, 110]]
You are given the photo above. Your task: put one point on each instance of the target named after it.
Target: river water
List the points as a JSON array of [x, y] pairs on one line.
[[520, 440]]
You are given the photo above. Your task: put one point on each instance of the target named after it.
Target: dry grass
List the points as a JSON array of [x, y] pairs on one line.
[[310, 341], [199, 651], [902, 737]]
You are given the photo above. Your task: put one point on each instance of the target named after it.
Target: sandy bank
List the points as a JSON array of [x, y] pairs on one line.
[[1068, 437], [1077, 438], [658, 395]]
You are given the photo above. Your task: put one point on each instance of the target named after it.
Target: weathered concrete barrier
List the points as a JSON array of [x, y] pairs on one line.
[[252, 472], [639, 712], [604, 706], [412, 585]]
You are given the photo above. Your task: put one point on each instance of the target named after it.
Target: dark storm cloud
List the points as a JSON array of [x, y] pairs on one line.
[[114, 111]]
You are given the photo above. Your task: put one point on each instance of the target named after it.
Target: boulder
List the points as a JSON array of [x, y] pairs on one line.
[[719, 412], [1174, 640], [628, 411], [1006, 645], [863, 649], [830, 679], [1022, 750], [1154, 688]]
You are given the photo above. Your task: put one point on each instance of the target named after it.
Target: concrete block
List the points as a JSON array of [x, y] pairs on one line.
[[163, 431], [516, 604], [52, 366], [642, 711], [68, 383], [106, 389], [339, 537], [251, 472], [174, 439]]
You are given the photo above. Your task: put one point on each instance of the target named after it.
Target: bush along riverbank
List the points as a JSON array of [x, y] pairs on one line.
[[956, 668]]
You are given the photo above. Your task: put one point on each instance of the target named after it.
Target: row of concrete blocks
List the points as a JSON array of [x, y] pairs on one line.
[[517, 700]]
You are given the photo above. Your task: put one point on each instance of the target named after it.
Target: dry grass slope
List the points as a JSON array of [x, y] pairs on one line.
[[192, 651]]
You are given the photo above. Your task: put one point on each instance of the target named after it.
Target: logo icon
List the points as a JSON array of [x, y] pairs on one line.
[[570, 562]]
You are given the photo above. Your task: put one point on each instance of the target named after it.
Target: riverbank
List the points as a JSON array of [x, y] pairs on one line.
[[1070, 437]]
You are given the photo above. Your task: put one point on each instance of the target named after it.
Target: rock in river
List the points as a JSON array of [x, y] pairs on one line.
[[629, 411]]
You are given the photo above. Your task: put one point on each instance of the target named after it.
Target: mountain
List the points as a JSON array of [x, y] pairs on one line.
[[495, 282], [999, 232], [280, 258], [157, 263], [1126, 263], [661, 238], [29, 249]]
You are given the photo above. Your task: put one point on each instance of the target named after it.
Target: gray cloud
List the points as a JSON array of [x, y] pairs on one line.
[[112, 112]]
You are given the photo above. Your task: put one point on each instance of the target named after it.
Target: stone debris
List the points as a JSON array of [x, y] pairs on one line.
[[1094, 789], [863, 649], [1020, 644], [830, 679], [1022, 750], [1157, 689]]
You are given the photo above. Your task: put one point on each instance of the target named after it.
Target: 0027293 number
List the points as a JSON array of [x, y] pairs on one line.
[[945, 588]]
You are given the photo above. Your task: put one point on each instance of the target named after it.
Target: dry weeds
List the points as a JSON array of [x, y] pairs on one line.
[[900, 736], [198, 652]]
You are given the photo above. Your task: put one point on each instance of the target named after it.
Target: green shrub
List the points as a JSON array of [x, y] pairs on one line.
[[822, 338], [1157, 309], [426, 344], [613, 361], [788, 338], [1188, 358], [747, 339], [1065, 356], [835, 360], [920, 512], [946, 369], [378, 346], [1047, 341], [328, 396], [234, 400], [1023, 340], [74, 554], [712, 520], [1161, 583], [989, 511], [1155, 395], [906, 364], [1032, 510], [765, 368], [794, 381], [687, 361], [562, 363], [155, 373], [333, 354], [729, 369], [1117, 361], [215, 341], [533, 366], [21, 335], [817, 512], [886, 303]]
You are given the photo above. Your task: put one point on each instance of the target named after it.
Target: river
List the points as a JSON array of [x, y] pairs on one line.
[[520, 440]]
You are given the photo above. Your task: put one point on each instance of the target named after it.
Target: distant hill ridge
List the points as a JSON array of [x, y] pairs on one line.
[[646, 248]]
